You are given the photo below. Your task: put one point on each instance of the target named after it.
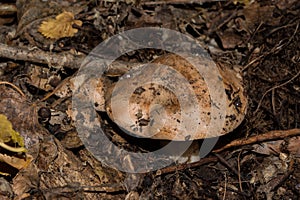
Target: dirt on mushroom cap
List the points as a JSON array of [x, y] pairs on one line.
[[167, 123]]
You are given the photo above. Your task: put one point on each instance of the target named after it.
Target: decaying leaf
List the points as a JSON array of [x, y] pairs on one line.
[[7, 134], [246, 2], [18, 163], [60, 27], [279, 146]]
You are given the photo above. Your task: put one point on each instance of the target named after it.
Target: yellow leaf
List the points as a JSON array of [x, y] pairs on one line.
[[60, 27], [9, 135]]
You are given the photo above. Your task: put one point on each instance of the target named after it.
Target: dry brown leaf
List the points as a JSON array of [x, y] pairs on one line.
[[60, 27], [15, 162], [275, 147], [246, 2], [26, 180], [23, 115]]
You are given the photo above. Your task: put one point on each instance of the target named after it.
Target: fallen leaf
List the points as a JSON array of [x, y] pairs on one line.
[[18, 163], [246, 2], [60, 27], [276, 147], [8, 134], [5, 189]]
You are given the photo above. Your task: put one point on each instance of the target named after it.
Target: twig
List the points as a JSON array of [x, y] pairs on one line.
[[107, 188], [76, 187], [225, 187], [59, 59], [224, 162], [12, 85], [39, 56], [282, 27], [177, 2], [239, 171], [273, 103], [275, 87], [274, 49], [65, 81], [271, 135], [254, 61], [175, 168]]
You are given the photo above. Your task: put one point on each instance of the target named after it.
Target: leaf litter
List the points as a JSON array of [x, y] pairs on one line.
[[260, 39]]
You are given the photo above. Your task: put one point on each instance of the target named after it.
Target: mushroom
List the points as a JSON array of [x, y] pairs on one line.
[[153, 110]]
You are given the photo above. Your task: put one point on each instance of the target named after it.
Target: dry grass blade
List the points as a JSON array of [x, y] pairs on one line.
[[12, 85], [275, 87]]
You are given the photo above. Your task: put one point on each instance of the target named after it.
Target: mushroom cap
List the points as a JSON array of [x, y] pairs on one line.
[[153, 101]]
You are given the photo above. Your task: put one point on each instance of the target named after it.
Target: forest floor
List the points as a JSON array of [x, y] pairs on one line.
[[39, 56]]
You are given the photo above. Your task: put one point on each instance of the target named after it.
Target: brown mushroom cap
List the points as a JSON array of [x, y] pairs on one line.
[[155, 109]]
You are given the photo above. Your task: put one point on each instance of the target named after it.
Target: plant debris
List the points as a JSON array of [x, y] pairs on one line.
[[8, 134], [60, 27], [42, 46]]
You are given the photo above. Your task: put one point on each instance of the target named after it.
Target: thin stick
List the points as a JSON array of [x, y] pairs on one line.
[[253, 61], [271, 135], [177, 2], [239, 171], [39, 56], [12, 85], [224, 162], [225, 187], [175, 168], [275, 48], [273, 103], [65, 81], [57, 60]]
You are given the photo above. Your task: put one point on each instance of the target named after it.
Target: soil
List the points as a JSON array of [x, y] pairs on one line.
[[258, 160]]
